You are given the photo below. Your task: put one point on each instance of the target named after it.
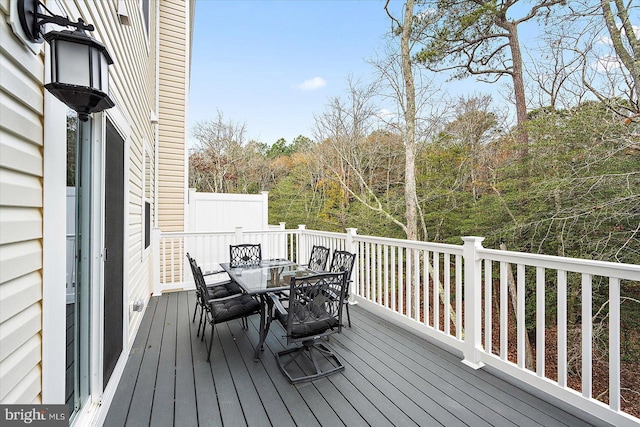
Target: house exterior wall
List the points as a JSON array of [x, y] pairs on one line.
[[175, 42], [32, 134], [21, 224]]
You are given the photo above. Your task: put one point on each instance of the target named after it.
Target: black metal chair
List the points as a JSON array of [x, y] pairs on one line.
[[343, 261], [312, 314], [245, 255], [223, 309], [318, 258], [213, 290]]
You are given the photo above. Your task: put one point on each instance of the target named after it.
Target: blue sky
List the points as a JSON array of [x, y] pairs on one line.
[[273, 64]]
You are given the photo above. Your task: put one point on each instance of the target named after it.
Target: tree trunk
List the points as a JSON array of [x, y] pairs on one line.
[[518, 87], [410, 125], [630, 59]]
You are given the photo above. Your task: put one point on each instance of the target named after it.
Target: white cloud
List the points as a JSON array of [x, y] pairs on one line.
[[606, 40], [606, 63], [384, 114], [312, 84]]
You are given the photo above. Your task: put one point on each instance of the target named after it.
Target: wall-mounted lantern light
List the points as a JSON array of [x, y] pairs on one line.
[[79, 63]]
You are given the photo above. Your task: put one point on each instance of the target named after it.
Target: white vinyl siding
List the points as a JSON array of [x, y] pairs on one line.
[[133, 87], [174, 73], [21, 190]]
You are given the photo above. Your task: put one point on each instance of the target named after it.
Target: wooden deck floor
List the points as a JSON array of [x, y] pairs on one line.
[[391, 378]]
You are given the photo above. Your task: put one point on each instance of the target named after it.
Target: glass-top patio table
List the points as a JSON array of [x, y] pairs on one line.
[[271, 275]]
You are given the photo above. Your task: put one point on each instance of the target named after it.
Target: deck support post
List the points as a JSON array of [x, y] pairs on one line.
[[472, 301]]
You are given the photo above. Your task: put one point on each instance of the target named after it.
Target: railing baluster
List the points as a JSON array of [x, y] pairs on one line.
[[416, 295], [400, 282], [504, 312], [459, 297], [368, 270], [409, 283], [425, 288], [562, 328], [587, 333], [436, 290], [447, 294], [393, 279], [379, 271], [520, 321], [540, 321], [488, 313], [614, 344]]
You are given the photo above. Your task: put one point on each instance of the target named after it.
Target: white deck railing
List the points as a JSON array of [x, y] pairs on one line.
[[446, 293]]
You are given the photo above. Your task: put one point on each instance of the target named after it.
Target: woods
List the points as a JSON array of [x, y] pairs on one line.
[[549, 163], [560, 177]]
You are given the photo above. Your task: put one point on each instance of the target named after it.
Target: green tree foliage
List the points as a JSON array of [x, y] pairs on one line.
[[480, 38]]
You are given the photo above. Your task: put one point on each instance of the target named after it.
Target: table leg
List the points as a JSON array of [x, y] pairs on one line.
[[262, 332]]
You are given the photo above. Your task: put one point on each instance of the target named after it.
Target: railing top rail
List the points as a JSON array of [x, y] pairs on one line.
[[332, 234], [411, 244], [223, 233], [577, 265]]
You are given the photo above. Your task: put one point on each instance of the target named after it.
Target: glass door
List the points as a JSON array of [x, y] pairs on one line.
[[79, 226]]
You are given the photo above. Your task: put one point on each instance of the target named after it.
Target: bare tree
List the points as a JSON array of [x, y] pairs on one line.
[[219, 150], [346, 126], [625, 41]]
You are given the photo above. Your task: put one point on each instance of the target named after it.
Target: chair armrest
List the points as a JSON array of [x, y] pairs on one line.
[[213, 285], [230, 297], [209, 273], [277, 304]]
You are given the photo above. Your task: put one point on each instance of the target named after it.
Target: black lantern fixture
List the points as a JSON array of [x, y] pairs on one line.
[[79, 63]]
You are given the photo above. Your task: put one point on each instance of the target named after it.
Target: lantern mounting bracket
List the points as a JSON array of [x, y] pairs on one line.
[[32, 20]]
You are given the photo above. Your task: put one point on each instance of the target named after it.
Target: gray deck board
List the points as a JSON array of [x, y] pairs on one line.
[[392, 378], [162, 414], [185, 396]]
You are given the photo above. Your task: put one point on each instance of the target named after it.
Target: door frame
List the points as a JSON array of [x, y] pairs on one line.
[[105, 396]]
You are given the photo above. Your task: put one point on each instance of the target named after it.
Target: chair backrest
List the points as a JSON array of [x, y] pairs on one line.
[[342, 261], [193, 264], [315, 306], [318, 258], [245, 255], [198, 278]]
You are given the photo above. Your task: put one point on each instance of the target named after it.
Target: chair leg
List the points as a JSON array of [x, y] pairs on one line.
[[195, 310], [211, 343], [348, 315], [200, 323], [331, 362]]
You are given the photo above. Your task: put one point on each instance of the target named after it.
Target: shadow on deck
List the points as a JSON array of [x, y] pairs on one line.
[[392, 377]]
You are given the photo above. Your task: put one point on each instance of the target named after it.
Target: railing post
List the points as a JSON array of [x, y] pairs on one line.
[[302, 243], [155, 255], [472, 301], [351, 246]]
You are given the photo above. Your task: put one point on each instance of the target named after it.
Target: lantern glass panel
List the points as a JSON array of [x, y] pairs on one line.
[[96, 63], [72, 63], [104, 73]]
